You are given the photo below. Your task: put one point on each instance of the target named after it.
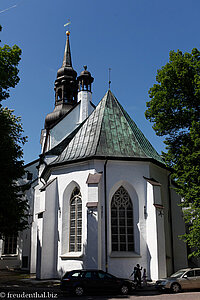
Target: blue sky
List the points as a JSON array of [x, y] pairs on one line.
[[132, 37]]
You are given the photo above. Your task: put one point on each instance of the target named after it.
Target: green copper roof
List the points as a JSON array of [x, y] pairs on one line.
[[108, 132]]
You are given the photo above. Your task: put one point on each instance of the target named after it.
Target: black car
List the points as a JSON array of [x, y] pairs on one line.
[[84, 281]]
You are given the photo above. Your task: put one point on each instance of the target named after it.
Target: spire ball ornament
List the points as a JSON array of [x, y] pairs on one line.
[[68, 33]]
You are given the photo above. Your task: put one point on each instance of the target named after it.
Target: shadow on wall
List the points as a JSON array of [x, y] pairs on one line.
[[148, 263], [47, 232], [89, 260], [39, 254], [91, 246], [56, 232]]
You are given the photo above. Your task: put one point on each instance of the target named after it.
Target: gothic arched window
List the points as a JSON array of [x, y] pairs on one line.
[[122, 232], [75, 238]]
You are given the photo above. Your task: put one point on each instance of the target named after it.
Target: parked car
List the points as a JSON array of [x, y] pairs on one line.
[[184, 279], [84, 281]]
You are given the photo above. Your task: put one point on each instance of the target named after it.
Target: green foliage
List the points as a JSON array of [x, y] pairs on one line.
[[13, 212], [174, 109], [9, 59]]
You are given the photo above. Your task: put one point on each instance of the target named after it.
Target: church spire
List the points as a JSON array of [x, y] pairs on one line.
[[67, 61], [66, 83], [66, 88]]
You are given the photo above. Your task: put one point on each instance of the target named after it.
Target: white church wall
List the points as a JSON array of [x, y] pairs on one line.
[[130, 175], [176, 254], [36, 228], [155, 232], [152, 237], [86, 108], [92, 239], [178, 227], [49, 249], [92, 226], [69, 122], [101, 229], [33, 247], [68, 178], [39, 247], [161, 175], [161, 253], [146, 222]]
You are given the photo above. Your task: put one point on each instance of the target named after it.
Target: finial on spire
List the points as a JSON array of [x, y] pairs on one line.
[[67, 61], [109, 82]]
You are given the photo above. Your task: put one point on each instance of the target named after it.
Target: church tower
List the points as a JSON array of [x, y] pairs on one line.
[[73, 102], [65, 88], [84, 93]]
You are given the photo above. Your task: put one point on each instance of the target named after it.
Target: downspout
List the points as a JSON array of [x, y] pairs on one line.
[[170, 219], [105, 208]]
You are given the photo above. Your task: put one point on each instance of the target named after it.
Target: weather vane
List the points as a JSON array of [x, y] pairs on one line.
[[109, 82], [67, 24]]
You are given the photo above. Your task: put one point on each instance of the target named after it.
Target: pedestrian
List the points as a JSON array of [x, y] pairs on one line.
[[134, 273], [144, 278], [138, 274]]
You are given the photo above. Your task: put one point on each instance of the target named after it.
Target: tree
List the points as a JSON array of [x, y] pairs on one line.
[[13, 212], [174, 109]]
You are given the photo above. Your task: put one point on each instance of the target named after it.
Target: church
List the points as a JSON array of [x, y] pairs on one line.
[[100, 195]]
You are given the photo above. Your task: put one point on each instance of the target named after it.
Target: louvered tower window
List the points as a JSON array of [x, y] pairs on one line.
[[122, 232], [75, 239]]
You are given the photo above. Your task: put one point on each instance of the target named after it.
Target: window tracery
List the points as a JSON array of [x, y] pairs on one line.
[[75, 239], [122, 231]]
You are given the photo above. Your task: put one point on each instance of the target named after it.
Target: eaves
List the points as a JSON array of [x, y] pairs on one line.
[[47, 170]]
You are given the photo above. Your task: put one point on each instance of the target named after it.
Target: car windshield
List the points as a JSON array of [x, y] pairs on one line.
[[178, 274]]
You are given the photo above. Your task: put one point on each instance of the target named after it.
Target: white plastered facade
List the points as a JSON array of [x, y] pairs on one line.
[[152, 231]]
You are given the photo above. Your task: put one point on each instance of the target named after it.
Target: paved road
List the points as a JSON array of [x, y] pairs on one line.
[[35, 293], [142, 296]]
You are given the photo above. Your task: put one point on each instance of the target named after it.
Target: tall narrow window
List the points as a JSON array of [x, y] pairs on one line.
[[122, 221], [75, 239], [10, 245]]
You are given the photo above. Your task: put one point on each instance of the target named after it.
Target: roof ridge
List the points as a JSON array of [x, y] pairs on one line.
[[105, 96], [124, 114], [139, 140]]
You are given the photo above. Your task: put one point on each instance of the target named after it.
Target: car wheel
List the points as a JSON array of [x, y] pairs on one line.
[[79, 291], [124, 289], [175, 288]]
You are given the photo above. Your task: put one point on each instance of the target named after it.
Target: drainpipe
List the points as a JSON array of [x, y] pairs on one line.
[[105, 208], [170, 219]]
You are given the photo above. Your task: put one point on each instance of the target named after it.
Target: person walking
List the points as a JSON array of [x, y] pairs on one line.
[[134, 273], [138, 274], [144, 277]]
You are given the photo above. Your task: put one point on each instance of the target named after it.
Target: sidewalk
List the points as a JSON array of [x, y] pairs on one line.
[[17, 278]]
